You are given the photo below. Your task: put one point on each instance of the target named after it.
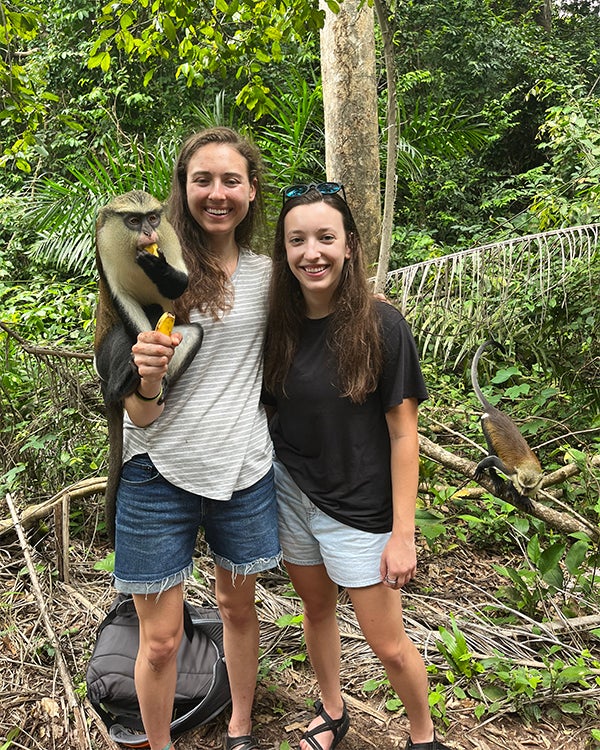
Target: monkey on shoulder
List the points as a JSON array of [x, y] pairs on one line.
[[141, 271], [508, 450], [136, 286]]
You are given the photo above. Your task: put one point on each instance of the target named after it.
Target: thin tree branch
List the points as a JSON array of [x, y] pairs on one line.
[[42, 351], [566, 523], [383, 262], [32, 513], [81, 733]]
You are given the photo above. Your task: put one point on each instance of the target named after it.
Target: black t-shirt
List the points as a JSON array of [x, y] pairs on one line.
[[338, 452]]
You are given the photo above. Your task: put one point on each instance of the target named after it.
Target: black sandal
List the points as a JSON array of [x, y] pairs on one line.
[[243, 742], [338, 727], [435, 744]]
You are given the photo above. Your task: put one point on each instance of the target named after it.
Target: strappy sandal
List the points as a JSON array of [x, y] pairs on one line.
[[338, 727], [435, 744], [243, 742]]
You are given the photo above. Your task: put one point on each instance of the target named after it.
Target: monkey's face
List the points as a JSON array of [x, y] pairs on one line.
[[527, 481], [138, 252], [128, 224], [145, 227]]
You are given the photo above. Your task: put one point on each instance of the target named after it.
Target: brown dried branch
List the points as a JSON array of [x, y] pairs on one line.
[[42, 351], [81, 734], [33, 513]]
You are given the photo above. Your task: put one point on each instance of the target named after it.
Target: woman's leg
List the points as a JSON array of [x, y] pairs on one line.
[[235, 599], [242, 536], [161, 629], [379, 613], [319, 596]]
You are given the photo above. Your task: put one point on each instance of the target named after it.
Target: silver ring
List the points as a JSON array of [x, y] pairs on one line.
[[390, 580]]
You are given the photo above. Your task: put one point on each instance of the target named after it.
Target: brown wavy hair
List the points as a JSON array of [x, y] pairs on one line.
[[210, 289], [354, 334]]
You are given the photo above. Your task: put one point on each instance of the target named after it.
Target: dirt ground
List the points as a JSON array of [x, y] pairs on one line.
[[281, 716], [35, 712]]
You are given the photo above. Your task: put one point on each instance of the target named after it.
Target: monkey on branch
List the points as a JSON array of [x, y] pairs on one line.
[[141, 271], [508, 450]]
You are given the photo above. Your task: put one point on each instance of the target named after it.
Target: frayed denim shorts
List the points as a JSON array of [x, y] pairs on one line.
[[157, 526], [310, 537]]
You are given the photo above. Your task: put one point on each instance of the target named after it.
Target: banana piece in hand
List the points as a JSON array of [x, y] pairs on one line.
[[165, 323], [152, 249]]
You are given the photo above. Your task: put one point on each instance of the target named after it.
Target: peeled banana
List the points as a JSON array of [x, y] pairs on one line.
[[165, 323], [152, 249]]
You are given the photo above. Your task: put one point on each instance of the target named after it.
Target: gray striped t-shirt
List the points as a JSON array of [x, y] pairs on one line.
[[212, 437]]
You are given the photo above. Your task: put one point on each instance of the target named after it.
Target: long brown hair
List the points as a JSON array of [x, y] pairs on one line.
[[210, 289], [354, 334]]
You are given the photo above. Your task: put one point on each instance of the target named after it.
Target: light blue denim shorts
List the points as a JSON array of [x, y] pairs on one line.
[[310, 537], [157, 526]]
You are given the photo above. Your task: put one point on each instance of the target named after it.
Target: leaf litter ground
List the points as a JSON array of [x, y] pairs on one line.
[[35, 712]]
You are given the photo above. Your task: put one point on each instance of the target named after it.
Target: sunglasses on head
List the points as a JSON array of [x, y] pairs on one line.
[[325, 188]]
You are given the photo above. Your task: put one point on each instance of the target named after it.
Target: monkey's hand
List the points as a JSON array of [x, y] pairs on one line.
[[503, 488], [491, 463], [170, 281], [520, 501]]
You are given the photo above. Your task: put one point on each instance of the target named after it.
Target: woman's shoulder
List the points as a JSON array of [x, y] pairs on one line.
[[388, 312], [259, 260], [394, 325], [254, 271]]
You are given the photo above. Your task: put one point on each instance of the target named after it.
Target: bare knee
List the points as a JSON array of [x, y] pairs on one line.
[[159, 651], [394, 653], [236, 611], [317, 613]]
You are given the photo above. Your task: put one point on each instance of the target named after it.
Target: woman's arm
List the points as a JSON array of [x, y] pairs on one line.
[[151, 354], [399, 559]]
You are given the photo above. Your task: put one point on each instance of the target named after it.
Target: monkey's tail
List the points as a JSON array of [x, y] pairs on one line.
[[474, 366], [115, 459]]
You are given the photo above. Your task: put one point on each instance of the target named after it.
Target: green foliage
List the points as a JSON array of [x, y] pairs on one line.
[[25, 99], [107, 563], [292, 141], [453, 647], [228, 39], [496, 684], [11, 736], [543, 576], [534, 293], [291, 659], [50, 426], [521, 686], [537, 92]]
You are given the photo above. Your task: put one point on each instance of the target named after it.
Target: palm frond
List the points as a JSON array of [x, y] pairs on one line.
[[441, 129], [508, 289], [64, 212]]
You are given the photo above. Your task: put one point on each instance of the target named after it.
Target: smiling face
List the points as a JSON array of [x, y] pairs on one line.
[[316, 250], [218, 189]]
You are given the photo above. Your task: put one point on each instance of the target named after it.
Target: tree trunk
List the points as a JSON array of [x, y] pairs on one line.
[[547, 16], [350, 109], [392, 147]]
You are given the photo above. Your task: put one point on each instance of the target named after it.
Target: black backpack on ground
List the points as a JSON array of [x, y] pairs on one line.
[[202, 685]]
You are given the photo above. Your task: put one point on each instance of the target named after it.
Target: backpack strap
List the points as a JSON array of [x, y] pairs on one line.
[[188, 625], [125, 604]]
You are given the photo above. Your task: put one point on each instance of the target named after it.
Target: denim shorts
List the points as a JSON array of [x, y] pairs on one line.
[[157, 526], [310, 537]]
